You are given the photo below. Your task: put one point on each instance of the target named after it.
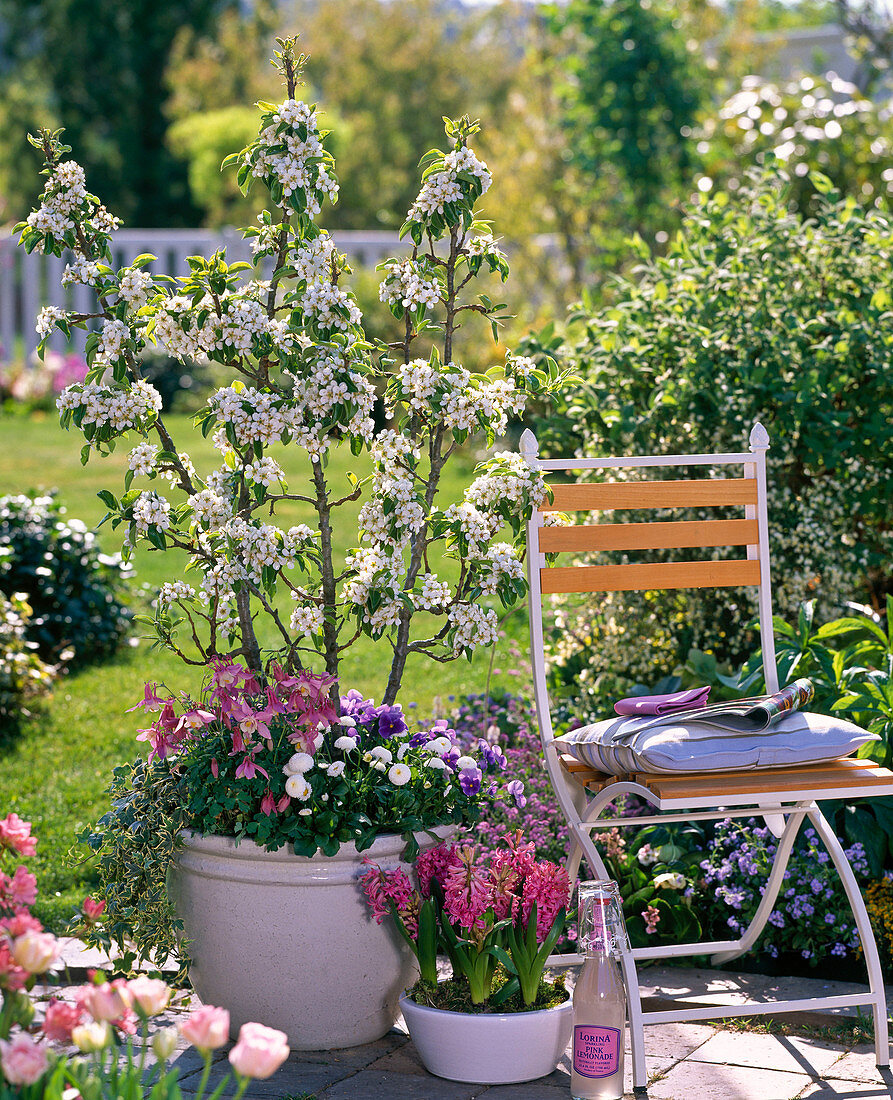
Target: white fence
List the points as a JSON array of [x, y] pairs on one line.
[[29, 282]]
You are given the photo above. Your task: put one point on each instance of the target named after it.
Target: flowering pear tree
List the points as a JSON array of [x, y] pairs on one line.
[[304, 376]]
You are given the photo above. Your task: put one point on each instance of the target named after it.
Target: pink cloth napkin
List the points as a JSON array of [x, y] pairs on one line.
[[663, 704]]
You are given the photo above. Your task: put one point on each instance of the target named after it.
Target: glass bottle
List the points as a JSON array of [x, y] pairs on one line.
[[599, 996]]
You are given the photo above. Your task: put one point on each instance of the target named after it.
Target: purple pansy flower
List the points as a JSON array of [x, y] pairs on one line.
[[470, 780], [390, 721]]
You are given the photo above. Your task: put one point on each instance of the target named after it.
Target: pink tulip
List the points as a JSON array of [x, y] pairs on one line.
[[59, 1020], [23, 1061], [93, 910], [207, 1028], [151, 995], [109, 1001], [35, 951], [259, 1052], [16, 834]]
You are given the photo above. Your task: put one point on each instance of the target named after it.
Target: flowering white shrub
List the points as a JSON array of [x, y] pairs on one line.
[[305, 376]]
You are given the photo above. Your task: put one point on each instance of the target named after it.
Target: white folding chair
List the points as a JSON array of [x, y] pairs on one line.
[[783, 796]]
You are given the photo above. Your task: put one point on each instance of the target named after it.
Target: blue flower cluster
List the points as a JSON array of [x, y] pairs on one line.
[[811, 915]]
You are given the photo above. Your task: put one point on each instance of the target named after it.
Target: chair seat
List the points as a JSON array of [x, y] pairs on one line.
[[846, 778]]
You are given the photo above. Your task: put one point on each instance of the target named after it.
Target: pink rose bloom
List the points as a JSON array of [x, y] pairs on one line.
[[259, 1052], [35, 951], [60, 1019], [23, 1061], [16, 834], [109, 1001], [207, 1028], [151, 995]]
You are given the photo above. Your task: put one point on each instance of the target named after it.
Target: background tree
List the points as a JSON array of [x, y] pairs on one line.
[[104, 63], [630, 97]]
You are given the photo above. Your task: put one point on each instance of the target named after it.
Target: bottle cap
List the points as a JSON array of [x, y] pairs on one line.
[[601, 929]]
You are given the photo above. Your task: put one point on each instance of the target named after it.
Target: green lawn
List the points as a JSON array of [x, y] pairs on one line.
[[55, 771]]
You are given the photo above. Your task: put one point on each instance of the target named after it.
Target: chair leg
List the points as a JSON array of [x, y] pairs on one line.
[[773, 885], [634, 1016], [572, 863], [866, 934]]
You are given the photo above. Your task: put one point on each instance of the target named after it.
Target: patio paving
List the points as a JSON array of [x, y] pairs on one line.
[[692, 1061]]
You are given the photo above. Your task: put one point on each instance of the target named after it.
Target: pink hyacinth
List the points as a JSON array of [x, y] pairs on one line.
[[384, 888], [467, 894], [434, 864], [548, 885], [15, 834]]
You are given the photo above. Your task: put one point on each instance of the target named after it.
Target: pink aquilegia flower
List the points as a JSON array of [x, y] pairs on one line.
[[259, 1052], [23, 1060], [151, 700], [60, 1019], [15, 834], [466, 891], [207, 1028]]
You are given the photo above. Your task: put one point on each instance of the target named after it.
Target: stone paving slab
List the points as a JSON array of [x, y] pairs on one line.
[[782, 1052], [689, 1080], [845, 1090], [857, 1065]]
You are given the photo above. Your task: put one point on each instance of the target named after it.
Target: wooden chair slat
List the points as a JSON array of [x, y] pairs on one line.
[[606, 496], [650, 536], [650, 577], [827, 775], [770, 780]]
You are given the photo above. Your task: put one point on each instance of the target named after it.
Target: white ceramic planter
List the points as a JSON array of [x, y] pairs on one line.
[[289, 941], [489, 1048]]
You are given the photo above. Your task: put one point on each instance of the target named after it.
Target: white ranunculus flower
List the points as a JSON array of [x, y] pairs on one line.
[[466, 762], [399, 774], [335, 769], [345, 743], [296, 786], [298, 764]]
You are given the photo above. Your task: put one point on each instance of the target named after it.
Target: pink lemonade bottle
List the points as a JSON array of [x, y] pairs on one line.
[[599, 996]]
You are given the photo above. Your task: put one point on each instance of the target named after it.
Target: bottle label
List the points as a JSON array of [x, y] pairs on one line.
[[596, 1050]]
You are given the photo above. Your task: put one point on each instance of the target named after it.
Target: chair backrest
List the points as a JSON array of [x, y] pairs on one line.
[[746, 490]]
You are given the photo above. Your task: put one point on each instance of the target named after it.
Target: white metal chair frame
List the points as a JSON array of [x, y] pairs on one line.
[[783, 808]]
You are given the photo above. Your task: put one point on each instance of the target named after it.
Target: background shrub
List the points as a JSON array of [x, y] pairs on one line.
[[753, 314], [73, 589], [23, 675]]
